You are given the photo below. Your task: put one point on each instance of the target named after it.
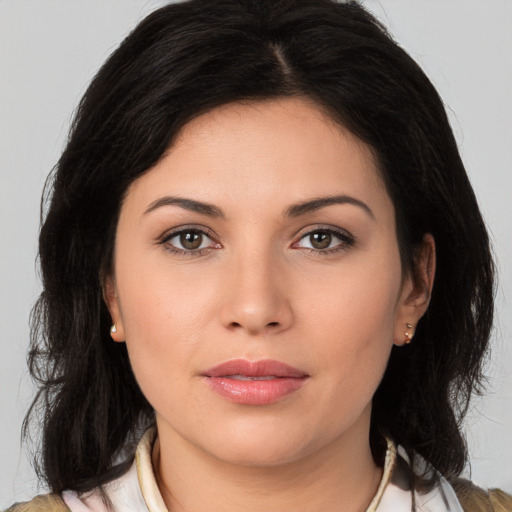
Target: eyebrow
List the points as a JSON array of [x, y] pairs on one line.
[[295, 210], [188, 204], [312, 205]]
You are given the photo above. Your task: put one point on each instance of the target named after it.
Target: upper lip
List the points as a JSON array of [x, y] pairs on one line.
[[262, 368]]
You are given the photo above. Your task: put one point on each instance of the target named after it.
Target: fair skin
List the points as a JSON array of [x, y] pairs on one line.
[[320, 288]]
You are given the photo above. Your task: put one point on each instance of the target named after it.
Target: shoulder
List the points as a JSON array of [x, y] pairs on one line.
[[475, 499], [434, 492], [43, 503]]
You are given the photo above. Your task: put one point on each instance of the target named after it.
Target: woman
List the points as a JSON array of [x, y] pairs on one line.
[[256, 206]]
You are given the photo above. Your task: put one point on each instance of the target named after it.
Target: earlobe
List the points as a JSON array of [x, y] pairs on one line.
[[112, 301], [416, 292]]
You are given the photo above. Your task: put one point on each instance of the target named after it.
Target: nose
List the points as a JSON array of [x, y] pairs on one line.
[[256, 297]]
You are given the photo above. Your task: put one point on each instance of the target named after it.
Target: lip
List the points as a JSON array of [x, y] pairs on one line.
[[233, 380]]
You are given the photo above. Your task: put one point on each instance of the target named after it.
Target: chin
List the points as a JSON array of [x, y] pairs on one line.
[[259, 447], [261, 457]]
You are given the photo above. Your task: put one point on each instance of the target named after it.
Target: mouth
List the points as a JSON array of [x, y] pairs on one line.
[[254, 383], [245, 377]]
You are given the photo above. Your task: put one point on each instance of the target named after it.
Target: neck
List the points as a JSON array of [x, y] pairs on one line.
[[342, 476]]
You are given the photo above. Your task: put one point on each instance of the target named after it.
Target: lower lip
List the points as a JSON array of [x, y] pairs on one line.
[[255, 392]]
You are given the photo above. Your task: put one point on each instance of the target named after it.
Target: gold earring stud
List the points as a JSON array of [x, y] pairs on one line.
[[408, 335], [113, 329]]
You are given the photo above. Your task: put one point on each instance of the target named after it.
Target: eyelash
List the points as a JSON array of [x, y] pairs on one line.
[[346, 241], [164, 240]]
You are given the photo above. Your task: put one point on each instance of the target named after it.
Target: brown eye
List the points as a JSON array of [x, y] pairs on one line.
[[325, 241], [320, 239], [191, 240]]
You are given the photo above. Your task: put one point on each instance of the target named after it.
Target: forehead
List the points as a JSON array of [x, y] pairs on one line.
[[283, 150]]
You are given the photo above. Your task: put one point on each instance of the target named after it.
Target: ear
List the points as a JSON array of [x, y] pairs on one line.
[[416, 291], [111, 299]]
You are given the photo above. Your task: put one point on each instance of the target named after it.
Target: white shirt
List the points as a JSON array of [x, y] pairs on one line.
[[137, 490]]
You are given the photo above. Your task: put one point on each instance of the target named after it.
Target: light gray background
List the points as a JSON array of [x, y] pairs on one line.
[[50, 49]]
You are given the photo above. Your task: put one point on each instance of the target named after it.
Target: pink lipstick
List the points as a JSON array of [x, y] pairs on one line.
[[254, 383]]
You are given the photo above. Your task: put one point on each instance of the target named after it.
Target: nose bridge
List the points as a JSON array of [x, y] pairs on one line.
[[256, 300]]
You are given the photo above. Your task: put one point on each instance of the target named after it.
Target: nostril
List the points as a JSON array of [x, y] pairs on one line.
[[273, 324]]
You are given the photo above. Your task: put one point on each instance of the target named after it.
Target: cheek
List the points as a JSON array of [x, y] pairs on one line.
[[357, 299], [161, 299], [163, 319], [169, 313], [355, 337], [353, 315]]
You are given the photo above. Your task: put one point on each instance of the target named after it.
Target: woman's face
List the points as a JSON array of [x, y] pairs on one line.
[[258, 285]]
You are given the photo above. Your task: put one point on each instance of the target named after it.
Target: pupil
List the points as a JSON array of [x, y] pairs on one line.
[[321, 240], [191, 240]]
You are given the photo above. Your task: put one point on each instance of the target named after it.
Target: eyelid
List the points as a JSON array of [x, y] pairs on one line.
[[171, 233], [346, 238], [186, 227]]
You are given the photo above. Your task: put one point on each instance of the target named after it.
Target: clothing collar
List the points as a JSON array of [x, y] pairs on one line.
[[393, 493], [146, 474]]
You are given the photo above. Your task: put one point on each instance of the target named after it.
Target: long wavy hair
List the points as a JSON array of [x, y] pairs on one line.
[[186, 59]]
